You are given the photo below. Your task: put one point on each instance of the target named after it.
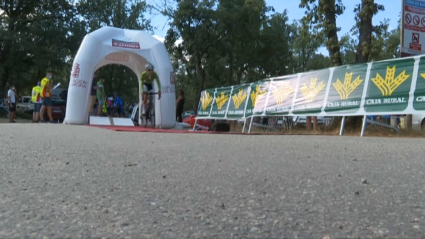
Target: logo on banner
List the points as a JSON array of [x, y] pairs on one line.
[[313, 90], [206, 100], [239, 98], [76, 71], [423, 21], [388, 85], [221, 100], [123, 44], [172, 78], [345, 89], [257, 95], [282, 93]]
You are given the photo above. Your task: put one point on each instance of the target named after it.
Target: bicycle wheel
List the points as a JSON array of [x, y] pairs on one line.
[[145, 118], [152, 116]]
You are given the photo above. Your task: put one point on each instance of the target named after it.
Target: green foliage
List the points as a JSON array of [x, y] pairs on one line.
[[211, 42], [322, 14], [227, 42]]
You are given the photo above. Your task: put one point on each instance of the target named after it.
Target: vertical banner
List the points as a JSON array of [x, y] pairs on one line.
[[219, 106], [282, 92], [419, 101], [258, 97], [238, 101], [311, 92], [345, 94], [389, 86], [205, 103], [413, 27]]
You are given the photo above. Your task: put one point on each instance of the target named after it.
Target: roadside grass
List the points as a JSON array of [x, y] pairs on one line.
[[371, 131]]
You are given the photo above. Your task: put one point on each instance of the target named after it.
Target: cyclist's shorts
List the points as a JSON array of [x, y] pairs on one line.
[[147, 87]]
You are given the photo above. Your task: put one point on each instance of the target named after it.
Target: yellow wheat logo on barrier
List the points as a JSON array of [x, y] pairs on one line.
[[282, 93], [423, 75], [239, 98], [206, 100], [221, 100], [257, 95], [391, 83], [311, 92], [345, 89]]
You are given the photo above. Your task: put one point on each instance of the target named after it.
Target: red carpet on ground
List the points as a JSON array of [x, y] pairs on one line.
[[150, 130]]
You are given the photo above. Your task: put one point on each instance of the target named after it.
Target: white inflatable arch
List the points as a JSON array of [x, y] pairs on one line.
[[131, 48]]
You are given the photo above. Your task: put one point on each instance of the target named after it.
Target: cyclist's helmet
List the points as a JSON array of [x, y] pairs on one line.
[[149, 66]]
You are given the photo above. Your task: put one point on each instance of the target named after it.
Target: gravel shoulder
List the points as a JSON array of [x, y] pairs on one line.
[[83, 182]]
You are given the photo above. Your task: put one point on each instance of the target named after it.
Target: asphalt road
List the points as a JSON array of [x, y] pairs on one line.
[[80, 182]]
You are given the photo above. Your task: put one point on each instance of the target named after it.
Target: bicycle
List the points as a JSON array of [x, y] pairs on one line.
[[150, 111]]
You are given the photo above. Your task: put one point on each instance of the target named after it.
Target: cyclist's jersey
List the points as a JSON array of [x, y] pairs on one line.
[[146, 79]]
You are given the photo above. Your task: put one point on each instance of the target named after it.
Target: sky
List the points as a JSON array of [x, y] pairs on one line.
[[345, 21]]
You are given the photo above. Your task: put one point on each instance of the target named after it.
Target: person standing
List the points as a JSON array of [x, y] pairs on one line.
[[36, 100], [93, 95], [118, 105], [101, 96], [46, 95], [11, 95], [180, 103]]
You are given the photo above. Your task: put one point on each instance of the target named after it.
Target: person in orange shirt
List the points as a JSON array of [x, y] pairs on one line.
[[46, 87]]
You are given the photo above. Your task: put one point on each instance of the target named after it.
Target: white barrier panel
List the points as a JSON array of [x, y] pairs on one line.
[[122, 122], [95, 120]]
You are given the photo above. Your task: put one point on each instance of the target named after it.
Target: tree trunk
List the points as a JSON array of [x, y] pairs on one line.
[[239, 75], [308, 122], [409, 122], [332, 35], [365, 15], [365, 31], [201, 82], [230, 76]]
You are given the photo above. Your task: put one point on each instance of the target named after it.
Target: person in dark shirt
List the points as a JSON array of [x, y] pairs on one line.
[[118, 105], [93, 95], [180, 103]]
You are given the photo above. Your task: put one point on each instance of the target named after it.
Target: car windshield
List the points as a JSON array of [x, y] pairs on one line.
[[58, 102]]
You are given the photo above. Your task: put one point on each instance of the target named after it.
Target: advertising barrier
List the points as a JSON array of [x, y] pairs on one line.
[[395, 86]]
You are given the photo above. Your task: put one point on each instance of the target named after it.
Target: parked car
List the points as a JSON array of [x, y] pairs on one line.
[[58, 110], [418, 122], [24, 104], [321, 120], [60, 93], [187, 114]]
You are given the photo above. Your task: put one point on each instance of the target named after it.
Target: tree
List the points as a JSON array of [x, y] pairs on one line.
[[274, 55], [32, 38], [305, 44], [322, 15], [239, 27], [365, 12], [194, 22]]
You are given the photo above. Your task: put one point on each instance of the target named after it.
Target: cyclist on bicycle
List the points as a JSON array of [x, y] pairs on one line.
[[147, 79]]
